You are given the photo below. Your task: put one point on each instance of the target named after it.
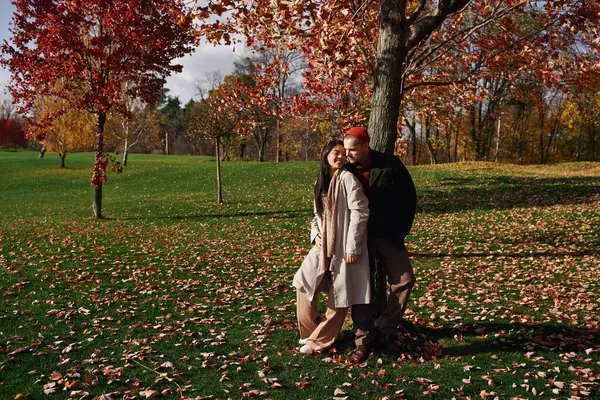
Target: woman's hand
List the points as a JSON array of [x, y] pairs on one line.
[[318, 240], [350, 258]]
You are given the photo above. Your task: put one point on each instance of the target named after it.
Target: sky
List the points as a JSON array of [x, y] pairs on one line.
[[205, 59]]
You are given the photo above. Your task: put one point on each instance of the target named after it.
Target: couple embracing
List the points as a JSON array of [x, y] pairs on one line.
[[363, 211]]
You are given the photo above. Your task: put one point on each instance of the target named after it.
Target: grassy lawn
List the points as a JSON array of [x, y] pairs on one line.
[[172, 296]]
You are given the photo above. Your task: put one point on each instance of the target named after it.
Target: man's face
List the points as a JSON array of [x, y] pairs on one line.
[[356, 151]]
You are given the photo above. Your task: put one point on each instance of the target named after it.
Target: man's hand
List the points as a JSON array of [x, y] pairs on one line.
[[318, 240], [350, 258]]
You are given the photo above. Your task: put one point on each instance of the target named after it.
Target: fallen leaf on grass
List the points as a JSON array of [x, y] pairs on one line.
[[302, 385], [50, 388], [150, 394], [254, 393]]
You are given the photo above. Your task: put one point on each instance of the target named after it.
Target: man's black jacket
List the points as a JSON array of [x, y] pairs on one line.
[[392, 197]]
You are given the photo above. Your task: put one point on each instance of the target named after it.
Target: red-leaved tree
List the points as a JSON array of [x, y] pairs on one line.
[[388, 52], [12, 133], [93, 54]]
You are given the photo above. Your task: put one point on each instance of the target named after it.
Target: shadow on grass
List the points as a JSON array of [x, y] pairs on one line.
[[511, 336], [281, 214], [419, 342], [578, 253], [506, 192]]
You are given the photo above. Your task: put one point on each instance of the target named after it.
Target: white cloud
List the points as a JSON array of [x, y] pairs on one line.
[[206, 58], [4, 78]]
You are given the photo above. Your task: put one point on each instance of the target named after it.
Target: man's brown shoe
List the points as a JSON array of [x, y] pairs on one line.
[[360, 355]]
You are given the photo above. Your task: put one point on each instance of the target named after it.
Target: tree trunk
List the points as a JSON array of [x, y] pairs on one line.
[[306, 145], [457, 133], [413, 141], [260, 145], [428, 140], [387, 86], [125, 152], [62, 156], [278, 140], [99, 169], [242, 150], [542, 120], [167, 143], [42, 151], [497, 141], [593, 140], [218, 158]]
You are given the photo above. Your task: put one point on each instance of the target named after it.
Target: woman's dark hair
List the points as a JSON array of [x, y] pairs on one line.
[[323, 179]]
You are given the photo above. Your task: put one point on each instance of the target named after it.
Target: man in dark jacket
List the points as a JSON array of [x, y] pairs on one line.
[[392, 203]]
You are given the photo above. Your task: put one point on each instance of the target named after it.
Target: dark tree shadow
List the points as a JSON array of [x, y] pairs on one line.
[[578, 253], [416, 341], [281, 214], [506, 192]]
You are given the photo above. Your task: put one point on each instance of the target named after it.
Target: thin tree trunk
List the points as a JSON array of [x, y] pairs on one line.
[[218, 158], [458, 127], [413, 141], [62, 156], [593, 140], [497, 141], [260, 145], [99, 170], [42, 151], [242, 151], [305, 145], [278, 141], [125, 152], [167, 143], [542, 120], [387, 86], [432, 151]]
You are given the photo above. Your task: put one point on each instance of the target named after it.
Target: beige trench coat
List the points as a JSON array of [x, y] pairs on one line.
[[350, 282]]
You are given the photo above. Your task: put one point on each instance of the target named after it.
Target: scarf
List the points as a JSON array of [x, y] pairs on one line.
[[329, 224]]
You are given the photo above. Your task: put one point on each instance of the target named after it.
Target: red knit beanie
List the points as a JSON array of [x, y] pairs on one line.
[[360, 133]]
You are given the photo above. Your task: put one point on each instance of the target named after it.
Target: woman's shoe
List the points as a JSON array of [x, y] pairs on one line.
[[306, 349], [302, 342]]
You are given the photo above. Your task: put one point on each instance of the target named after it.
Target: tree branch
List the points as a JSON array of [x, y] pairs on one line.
[[426, 25], [468, 31], [480, 63], [415, 14]]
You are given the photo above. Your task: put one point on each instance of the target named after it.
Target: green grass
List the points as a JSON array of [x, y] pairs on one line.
[[508, 280]]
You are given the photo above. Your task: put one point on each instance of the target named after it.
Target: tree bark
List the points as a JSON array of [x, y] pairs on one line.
[[97, 206], [497, 141], [542, 121], [125, 153], [218, 158], [413, 141], [261, 140], [242, 150], [398, 35], [62, 156], [278, 149], [42, 151], [387, 85]]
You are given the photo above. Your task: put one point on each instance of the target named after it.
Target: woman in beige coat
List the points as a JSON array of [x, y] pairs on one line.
[[338, 261]]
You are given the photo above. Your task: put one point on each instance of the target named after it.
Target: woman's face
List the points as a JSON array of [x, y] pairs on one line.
[[337, 157]]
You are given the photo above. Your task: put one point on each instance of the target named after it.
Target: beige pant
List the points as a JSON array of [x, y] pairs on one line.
[[401, 279], [320, 332]]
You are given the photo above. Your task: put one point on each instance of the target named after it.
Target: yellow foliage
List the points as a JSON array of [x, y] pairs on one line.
[[74, 130]]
